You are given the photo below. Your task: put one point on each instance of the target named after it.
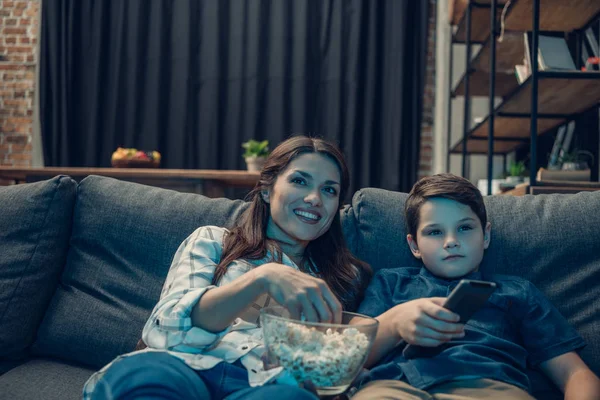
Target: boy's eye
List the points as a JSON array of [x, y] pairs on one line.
[[465, 228], [299, 181], [434, 232]]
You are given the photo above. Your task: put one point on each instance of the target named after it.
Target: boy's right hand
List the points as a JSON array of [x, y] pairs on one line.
[[425, 322]]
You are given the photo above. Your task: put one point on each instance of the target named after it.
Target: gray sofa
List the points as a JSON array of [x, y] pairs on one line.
[[82, 265]]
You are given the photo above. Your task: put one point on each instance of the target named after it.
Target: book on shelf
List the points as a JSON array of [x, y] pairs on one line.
[[553, 54], [566, 145], [591, 59], [544, 174], [561, 146], [522, 73], [553, 163], [569, 184]]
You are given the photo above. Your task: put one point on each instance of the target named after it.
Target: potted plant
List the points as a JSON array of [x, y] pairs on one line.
[[516, 172], [573, 161], [256, 154]]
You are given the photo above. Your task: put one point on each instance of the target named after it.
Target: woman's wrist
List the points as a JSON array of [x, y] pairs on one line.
[[261, 278], [231, 299]]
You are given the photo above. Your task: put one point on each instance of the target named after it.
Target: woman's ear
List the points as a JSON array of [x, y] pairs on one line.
[[487, 235], [414, 248], [265, 196]]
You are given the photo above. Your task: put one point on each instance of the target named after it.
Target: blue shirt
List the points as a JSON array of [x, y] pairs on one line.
[[517, 327]]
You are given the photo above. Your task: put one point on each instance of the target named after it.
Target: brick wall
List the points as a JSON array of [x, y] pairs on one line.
[[18, 58], [426, 157]]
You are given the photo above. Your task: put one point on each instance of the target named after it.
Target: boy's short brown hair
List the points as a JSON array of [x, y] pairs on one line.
[[447, 186]]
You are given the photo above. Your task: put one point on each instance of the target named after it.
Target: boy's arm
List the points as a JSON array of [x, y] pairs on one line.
[[378, 302], [387, 337], [572, 376], [423, 322]]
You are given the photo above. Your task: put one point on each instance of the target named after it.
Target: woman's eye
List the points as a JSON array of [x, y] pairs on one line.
[[330, 190], [299, 181]]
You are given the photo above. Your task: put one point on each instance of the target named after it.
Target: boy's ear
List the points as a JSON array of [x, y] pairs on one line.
[[414, 248], [487, 235]]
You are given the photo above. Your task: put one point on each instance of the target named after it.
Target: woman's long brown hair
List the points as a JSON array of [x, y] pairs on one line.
[[346, 275]]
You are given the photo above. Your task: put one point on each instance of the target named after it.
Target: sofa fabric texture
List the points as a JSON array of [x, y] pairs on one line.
[[35, 226], [108, 244], [44, 379], [122, 244]]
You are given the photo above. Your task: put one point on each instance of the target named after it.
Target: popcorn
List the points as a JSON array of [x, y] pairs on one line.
[[328, 359]]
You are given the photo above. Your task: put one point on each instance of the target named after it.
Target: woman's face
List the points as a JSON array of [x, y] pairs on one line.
[[303, 201]]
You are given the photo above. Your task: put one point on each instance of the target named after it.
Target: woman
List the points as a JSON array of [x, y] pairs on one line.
[[287, 247]]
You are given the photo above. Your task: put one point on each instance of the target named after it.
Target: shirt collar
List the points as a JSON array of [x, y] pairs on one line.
[[287, 260], [476, 275]]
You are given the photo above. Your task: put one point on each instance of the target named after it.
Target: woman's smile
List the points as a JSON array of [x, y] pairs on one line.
[[309, 217], [303, 201]]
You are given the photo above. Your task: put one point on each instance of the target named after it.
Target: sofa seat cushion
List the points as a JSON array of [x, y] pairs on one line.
[[123, 241], [35, 225], [44, 379]]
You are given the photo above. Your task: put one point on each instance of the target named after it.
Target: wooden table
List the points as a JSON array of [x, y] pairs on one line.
[[549, 187], [209, 182]]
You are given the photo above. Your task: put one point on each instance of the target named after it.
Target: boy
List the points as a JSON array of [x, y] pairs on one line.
[[485, 358]]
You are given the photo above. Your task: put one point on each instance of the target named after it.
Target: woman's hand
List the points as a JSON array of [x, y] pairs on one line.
[[300, 293], [425, 322]]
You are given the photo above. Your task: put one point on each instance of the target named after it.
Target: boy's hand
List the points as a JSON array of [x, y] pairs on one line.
[[424, 322]]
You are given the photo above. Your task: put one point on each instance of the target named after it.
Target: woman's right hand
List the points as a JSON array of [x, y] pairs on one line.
[[300, 293], [425, 322]]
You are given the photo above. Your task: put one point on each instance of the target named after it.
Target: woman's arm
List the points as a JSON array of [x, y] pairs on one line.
[[194, 313], [422, 322], [297, 291], [220, 306], [170, 324], [572, 376]]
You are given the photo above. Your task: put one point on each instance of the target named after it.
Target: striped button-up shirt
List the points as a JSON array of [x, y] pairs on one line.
[[170, 328]]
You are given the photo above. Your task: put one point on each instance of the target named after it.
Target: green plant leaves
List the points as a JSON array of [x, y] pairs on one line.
[[254, 148]]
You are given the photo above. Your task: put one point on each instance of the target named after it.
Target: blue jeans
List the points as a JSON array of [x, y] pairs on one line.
[[163, 376]]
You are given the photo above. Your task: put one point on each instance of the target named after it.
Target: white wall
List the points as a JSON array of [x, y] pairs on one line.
[[37, 155], [479, 105]]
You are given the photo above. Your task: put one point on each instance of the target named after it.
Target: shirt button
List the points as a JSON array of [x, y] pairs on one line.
[[244, 347]]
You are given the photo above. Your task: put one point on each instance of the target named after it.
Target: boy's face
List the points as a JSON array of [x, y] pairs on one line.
[[450, 239]]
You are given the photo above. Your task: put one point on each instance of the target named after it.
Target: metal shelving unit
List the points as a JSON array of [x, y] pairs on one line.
[[529, 109]]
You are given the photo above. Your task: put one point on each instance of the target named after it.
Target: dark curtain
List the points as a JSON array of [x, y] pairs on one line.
[[194, 79]]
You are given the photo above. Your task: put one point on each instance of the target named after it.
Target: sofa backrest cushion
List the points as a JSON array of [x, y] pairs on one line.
[[123, 241], [35, 225], [375, 231], [551, 240]]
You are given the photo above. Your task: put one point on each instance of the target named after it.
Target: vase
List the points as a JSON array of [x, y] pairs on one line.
[[514, 179], [574, 166], [255, 163]]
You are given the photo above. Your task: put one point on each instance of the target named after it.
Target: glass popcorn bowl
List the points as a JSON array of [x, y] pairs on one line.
[[328, 355]]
